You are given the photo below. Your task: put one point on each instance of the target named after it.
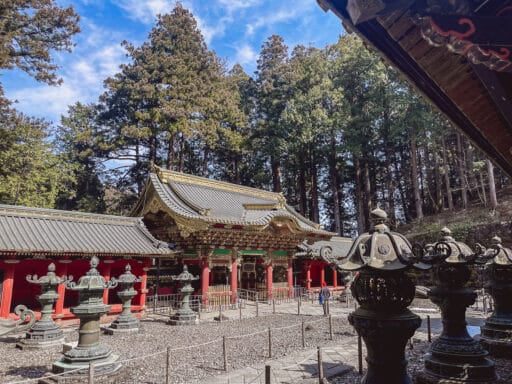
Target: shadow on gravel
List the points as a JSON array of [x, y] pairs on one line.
[[33, 371], [9, 340]]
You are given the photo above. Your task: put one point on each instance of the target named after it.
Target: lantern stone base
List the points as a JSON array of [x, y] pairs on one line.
[[478, 371], [102, 367], [42, 335], [123, 325], [496, 338], [184, 318]]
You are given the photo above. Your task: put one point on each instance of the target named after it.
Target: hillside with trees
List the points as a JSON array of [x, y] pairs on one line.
[[336, 130]]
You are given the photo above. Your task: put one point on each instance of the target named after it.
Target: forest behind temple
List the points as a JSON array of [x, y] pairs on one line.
[[336, 130]]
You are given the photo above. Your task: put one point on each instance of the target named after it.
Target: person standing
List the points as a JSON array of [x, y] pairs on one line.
[[325, 294]]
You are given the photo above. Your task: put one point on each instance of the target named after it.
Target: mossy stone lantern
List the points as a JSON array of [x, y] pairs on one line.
[[185, 315], [89, 310], [45, 333], [384, 291], [496, 334], [454, 357], [126, 321]]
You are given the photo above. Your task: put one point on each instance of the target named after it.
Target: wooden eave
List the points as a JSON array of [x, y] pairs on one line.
[[473, 97]]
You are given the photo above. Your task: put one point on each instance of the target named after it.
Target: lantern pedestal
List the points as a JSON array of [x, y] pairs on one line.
[[126, 322], [385, 338], [45, 333], [185, 315], [455, 357], [496, 334]]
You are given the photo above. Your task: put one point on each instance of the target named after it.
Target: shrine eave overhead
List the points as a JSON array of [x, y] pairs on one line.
[[36, 232], [209, 203], [457, 53]]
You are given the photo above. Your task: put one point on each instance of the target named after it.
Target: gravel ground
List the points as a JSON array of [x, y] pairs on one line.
[[416, 357], [187, 365]]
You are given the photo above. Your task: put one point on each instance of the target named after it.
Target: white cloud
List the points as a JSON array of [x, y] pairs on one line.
[[46, 101], [282, 14], [234, 5], [145, 10], [245, 54]]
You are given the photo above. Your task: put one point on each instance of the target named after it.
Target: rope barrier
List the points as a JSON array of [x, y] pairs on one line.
[[183, 348]]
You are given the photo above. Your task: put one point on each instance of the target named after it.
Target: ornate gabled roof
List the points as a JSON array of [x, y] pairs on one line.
[[193, 198], [34, 231]]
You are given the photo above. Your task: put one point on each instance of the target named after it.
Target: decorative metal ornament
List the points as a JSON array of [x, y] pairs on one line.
[[89, 310], [185, 315], [383, 292], [126, 321], [454, 356], [496, 334], [9, 325], [45, 333]]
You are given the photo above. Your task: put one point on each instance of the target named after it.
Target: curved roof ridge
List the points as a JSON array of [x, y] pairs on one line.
[[59, 214], [166, 175]]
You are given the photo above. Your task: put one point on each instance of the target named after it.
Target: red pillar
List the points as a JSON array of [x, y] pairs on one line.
[[234, 280], [107, 267], [308, 276], [290, 278], [144, 286], [269, 280], [334, 277], [322, 275], [62, 270], [205, 281], [7, 286]]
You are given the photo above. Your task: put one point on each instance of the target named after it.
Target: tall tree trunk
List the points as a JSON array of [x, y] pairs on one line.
[[138, 175], [181, 155], [206, 154], [170, 153], [335, 190], [460, 170], [492, 185], [367, 195], [437, 176], [449, 196], [152, 150], [482, 185], [275, 164], [236, 169], [315, 212], [303, 196], [414, 180], [359, 197]]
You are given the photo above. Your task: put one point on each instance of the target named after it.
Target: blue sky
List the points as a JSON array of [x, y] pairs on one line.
[[235, 29]]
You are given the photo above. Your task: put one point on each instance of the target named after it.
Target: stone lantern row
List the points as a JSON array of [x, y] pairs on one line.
[[384, 292]]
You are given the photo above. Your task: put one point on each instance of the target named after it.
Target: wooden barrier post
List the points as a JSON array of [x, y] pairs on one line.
[[360, 354], [274, 306], [429, 334], [91, 373], [168, 366], [270, 342], [267, 374], [330, 327], [225, 353], [240, 304], [298, 307], [303, 334], [320, 366], [257, 308]]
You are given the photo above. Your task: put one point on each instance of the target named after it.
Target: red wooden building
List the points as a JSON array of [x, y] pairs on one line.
[[32, 238]]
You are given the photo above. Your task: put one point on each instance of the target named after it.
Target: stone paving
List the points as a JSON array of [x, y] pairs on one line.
[[339, 356]]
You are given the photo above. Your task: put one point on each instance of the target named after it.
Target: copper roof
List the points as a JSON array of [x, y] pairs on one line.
[[217, 202], [30, 231]]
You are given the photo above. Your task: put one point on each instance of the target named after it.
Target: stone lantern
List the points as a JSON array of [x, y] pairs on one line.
[[185, 315], [89, 310], [383, 291], [496, 334], [454, 356], [126, 321], [45, 333]]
